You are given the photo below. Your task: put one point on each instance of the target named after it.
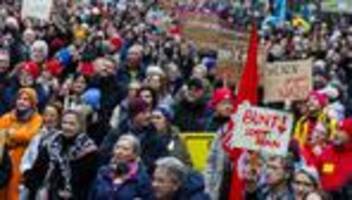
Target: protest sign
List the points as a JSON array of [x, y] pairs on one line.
[[209, 32], [287, 81], [262, 129], [38, 9]]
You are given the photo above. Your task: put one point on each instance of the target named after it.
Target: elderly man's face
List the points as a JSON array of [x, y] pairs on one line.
[[164, 185]]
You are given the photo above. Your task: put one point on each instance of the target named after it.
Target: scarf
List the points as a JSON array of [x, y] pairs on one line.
[[24, 115], [62, 151]]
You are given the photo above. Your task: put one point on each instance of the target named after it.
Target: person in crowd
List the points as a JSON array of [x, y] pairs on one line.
[[133, 69], [51, 121], [278, 174], [315, 115], [172, 180], [4, 78], [156, 79], [66, 168], [19, 126], [305, 181], [149, 95], [222, 103], [138, 123], [120, 112], [333, 163], [162, 119], [194, 99], [125, 177]]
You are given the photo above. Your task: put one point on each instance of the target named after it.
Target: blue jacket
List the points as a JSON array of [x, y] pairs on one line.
[[135, 187], [192, 188]]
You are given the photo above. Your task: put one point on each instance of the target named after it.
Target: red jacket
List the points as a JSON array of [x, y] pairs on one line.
[[335, 167]]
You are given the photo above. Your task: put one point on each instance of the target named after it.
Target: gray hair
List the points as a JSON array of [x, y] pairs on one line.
[[136, 145], [174, 167]]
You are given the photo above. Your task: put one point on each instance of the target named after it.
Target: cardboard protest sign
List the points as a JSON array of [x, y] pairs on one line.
[[262, 129], [38, 9], [290, 80], [209, 32]]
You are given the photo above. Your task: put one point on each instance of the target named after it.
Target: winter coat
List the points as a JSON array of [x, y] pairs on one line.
[[17, 144], [334, 166], [136, 186], [66, 164], [151, 146], [191, 121], [192, 188]]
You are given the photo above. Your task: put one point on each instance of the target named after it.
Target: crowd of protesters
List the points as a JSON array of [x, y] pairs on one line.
[[93, 104]]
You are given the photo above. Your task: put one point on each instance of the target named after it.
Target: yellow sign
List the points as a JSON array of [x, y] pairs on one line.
[[198, 146]]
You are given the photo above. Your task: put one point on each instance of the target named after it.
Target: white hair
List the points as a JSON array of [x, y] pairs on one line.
[[136, 145], [174, 167], [41, 44]]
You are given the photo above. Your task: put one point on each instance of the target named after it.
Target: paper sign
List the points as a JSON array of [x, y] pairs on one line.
[[262, 129], [39, 9], [287, 80]]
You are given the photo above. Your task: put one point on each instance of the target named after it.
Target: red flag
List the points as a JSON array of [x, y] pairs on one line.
[[247, 91], [247, 88]]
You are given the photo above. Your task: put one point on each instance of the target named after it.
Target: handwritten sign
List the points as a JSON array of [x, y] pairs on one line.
[[262, 129], [287, 80], [39, 9]]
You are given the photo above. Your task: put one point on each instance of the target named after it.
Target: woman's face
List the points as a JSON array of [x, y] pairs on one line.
[[147, 96], [79, 85], [51, 117], [225, 108], [70, 125], [159, 120], [23, 102], [38, 55], [25, 79], [123, 151], [302, 185], [154, 81]]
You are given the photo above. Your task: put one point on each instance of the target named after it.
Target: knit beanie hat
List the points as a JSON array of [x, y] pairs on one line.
[[92, 97], [116, 41], [54, 67], [136, 106], [220, 95], [166, 112], [31, 68], [31, 93], [321, 97]]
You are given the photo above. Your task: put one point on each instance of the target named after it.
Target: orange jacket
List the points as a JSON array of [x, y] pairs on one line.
[[16, 142]]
